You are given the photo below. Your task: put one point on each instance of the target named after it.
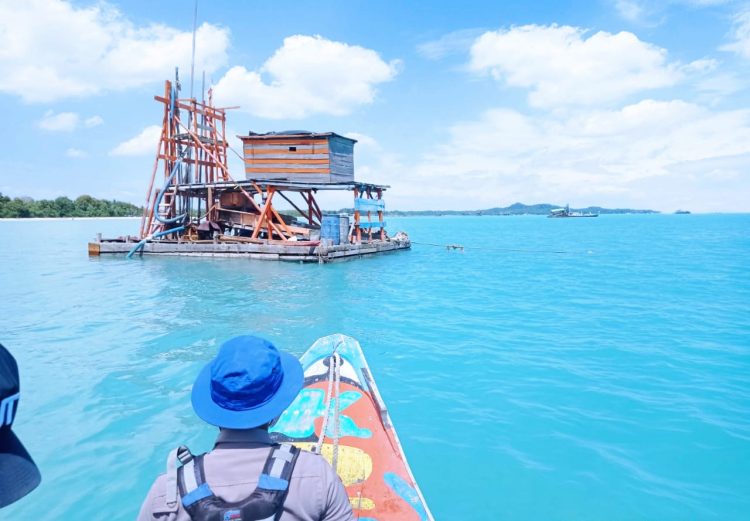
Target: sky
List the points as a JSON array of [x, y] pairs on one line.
[[455, 105]]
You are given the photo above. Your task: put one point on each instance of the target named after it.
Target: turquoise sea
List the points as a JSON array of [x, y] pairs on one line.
[[556, 370]]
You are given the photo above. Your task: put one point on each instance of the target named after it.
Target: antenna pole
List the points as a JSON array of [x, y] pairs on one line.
[[192, 62]]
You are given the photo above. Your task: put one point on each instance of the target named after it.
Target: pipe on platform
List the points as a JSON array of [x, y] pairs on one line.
[[142, 243], [161, 195]]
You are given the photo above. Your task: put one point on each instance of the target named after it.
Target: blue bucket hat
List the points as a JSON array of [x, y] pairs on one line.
[[18, 473], [248, 384]]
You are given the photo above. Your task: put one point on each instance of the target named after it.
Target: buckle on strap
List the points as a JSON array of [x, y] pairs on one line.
[[277, 472], [183, 455]]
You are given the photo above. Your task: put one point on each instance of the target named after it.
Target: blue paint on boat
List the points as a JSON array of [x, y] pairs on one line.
[[347, 347], [406, 492], [298, 421]]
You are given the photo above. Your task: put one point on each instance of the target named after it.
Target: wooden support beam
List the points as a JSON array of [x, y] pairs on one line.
[[148, 210], [357, 229], [262, 217], [278, 217], [307, 196], [210, 204], [316, 208], [265, 219], [380, 215], [292, 203]]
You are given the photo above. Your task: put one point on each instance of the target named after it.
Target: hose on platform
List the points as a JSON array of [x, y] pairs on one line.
[[142, 243], [168, 182]]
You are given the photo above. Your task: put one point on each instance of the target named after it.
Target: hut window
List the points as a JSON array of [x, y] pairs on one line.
[[292, 149]]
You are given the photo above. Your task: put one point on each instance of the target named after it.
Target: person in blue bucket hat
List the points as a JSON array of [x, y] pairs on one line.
[[19, 474], [246, 476]]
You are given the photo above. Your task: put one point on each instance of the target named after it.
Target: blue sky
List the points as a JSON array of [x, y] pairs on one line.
[[623, 103]]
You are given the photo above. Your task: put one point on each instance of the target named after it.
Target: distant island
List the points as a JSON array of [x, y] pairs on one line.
[[87, 206], [83, 206], [516, 209]]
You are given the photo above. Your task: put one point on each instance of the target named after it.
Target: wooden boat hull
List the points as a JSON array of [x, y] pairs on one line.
[[370, 460]]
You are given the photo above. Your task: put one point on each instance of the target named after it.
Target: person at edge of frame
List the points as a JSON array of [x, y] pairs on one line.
[[246, 476], [19, 474]]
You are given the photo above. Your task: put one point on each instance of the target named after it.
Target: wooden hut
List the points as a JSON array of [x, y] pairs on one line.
[[299, 156]]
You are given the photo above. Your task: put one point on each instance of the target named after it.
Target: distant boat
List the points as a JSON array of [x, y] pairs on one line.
[[682, 212], [565, 212]]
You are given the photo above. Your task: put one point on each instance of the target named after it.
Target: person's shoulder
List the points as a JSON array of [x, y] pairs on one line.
[[310, 464], [156, 501]]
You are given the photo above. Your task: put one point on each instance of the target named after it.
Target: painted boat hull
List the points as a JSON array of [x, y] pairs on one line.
[[370, 462]]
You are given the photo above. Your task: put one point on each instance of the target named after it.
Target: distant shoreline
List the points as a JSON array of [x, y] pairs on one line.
[[67, 218], [525, 209]]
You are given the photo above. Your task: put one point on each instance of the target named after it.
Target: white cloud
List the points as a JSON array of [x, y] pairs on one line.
[[93, 121], [143, 144], [61, 122], [701, 66], [562, 66], [740, 35], [67, 121], [76, 153], [50, 50], [452, 43], [307, 75], [696, 158], [364, 141], [629, 9], [703, 3], [721, 85]]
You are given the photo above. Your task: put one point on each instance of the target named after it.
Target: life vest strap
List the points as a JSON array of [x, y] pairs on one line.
[[265, 503], [183, 455]]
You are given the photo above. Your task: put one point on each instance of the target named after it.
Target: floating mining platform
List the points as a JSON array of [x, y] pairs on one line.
[[195, 207], [301, 252]]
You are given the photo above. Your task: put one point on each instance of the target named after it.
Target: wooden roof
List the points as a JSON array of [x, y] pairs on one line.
[[295, 134]]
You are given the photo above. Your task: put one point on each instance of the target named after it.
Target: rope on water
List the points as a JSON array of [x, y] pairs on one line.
[[483, 248], [446, 246]]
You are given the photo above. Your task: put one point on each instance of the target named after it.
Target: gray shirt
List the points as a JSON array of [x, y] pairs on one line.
[[232, 469]]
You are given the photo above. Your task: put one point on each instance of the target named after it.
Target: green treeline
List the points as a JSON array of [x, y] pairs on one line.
[[83, 206]]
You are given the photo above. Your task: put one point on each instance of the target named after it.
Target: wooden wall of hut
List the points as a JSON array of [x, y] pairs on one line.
[[307, 158]]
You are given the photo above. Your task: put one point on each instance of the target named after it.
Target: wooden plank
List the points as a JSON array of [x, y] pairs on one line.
[[282, 155], [299, 147], [288, 159], [260, 170], [289, 141], [288, 164], [301, 151], [368, 204], [264, 217], [371, 224]]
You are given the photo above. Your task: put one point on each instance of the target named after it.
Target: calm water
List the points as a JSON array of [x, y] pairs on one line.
[[610, 382]]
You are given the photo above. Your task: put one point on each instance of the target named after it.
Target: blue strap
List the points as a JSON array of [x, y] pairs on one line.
[[196, 495], [270, 483]]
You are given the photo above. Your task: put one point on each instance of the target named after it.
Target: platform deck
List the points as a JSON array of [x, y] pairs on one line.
[[276, 252]]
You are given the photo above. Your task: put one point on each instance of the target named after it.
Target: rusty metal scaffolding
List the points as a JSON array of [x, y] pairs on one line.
[[195, 198]]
